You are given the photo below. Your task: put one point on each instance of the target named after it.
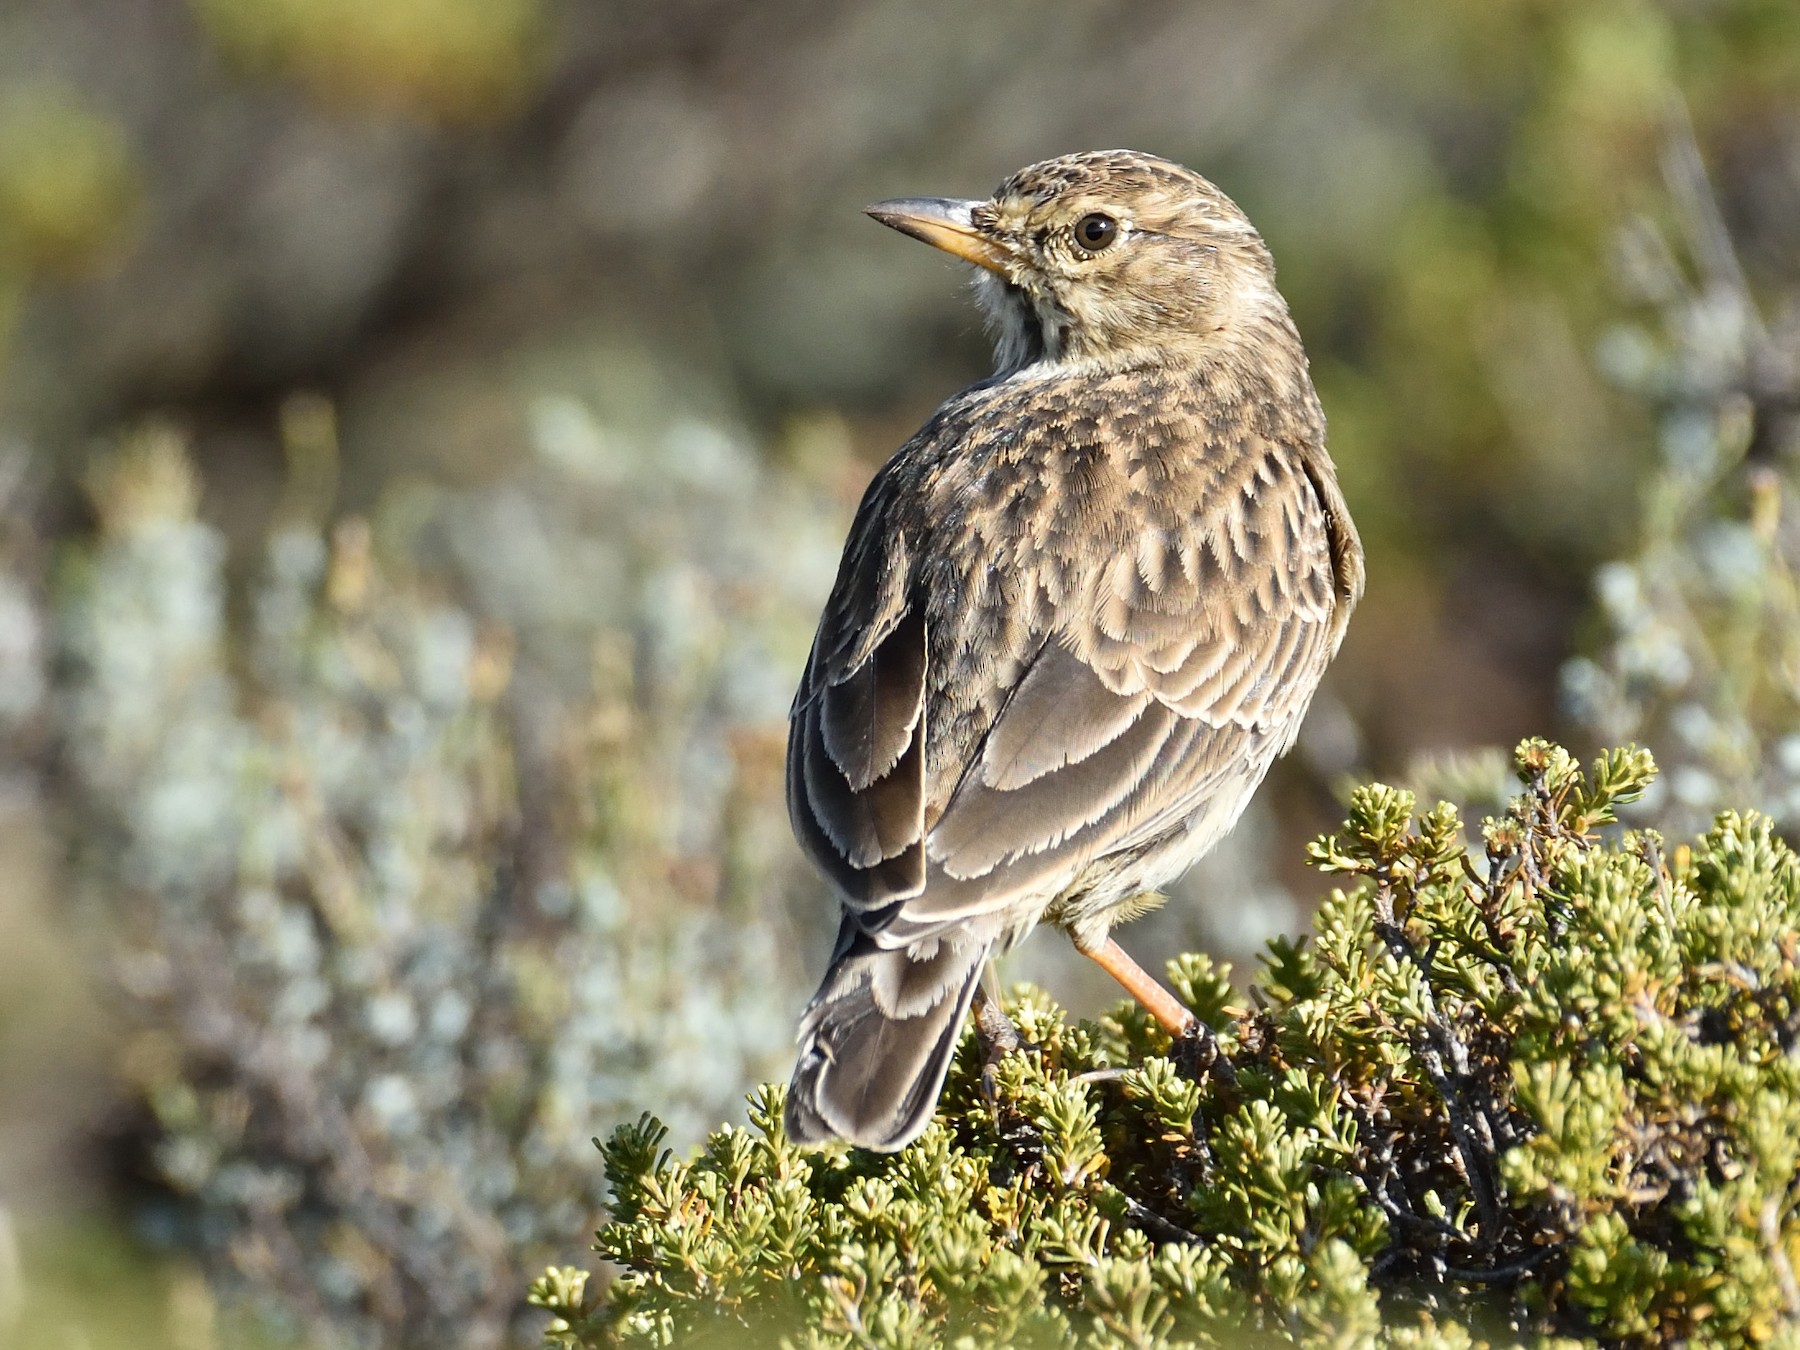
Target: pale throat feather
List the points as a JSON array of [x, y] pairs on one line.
[[1031, 331], [1024, 332]]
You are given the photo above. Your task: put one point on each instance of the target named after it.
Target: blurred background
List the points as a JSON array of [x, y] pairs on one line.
[[426, 434]]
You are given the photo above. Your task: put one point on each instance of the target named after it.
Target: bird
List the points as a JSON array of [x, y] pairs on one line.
[[1078, 615]]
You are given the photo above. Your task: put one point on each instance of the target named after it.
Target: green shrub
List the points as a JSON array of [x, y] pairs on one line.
[[1542, 1089]]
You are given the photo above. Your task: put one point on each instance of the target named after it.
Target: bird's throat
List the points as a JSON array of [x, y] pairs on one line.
[[1025, 332]]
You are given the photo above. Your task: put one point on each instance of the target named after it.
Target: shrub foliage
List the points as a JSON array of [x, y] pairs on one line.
[[1537, 1088]]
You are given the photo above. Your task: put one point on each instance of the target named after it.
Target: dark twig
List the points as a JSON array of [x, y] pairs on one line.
[[1197, 1053], [1155, 1226], [1502, 1274], [1439, 1039]]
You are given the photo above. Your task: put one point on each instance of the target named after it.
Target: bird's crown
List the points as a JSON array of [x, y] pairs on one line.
[[1129, 179]]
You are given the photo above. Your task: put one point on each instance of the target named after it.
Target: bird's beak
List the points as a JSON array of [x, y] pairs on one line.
[[943, 222]]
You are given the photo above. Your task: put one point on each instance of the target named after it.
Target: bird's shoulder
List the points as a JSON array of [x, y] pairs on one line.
[[1093, 505]]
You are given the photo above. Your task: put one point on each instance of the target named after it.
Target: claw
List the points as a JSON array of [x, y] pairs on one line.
[[998, 1038], [1196, 1053]]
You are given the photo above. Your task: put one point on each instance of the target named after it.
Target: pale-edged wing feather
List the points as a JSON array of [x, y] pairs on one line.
[[1180, 663]]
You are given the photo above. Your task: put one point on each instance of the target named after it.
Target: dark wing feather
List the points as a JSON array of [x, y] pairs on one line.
[[857, 732], [868, 716]]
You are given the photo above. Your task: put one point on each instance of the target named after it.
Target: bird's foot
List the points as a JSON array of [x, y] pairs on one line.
[[1197, 1054], [998, 1037]]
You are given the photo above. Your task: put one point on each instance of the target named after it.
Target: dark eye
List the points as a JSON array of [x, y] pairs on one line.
[[1096, 231]]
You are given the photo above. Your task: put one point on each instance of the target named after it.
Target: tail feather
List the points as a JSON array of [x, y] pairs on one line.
[[870, 1073]]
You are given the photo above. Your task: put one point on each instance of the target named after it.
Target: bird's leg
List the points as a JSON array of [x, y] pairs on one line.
[[1141, 985], [1196, 1049], [994, 1033]]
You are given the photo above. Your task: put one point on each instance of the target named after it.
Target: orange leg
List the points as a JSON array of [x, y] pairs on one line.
[[1141, 985]]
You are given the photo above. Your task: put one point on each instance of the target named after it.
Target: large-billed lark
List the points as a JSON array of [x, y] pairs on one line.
[[1078, 615]]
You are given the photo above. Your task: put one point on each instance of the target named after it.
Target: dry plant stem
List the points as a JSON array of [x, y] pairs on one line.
[[1769, 1225], [1386, 1188], [1138, 982], [1501, 1274], [1157, 1227]]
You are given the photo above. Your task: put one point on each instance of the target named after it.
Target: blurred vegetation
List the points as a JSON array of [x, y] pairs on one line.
[[426, 432], [432, 211], [66, 184], [1701, 621], [395, 928], [68, 190], [1538, 1089], [458, 60]]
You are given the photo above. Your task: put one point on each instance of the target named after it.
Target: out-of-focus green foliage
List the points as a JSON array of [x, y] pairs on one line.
[[1467, 398], [455, 60], [68, 185], [1541, 1088], [80, 1282], [1440, 185], [69, 191]]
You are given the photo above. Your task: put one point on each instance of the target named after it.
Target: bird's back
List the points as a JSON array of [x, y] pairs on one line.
[[1130, 542]]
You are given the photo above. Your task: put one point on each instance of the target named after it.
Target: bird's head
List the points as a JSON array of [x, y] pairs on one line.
[[1110, 259]]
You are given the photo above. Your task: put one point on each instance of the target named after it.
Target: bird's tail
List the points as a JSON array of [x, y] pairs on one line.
[[876, 1040]]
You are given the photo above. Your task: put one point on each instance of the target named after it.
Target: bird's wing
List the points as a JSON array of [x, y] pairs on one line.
[[857, 731], [1175, 665], [1185, 664]]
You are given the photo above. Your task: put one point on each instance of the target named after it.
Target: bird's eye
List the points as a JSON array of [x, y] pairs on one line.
[[1096, 231]]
